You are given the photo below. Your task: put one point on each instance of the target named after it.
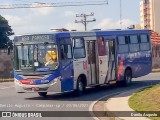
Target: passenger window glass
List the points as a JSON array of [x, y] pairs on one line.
[[65, 41], [107, 48], [123, 48], [134, 43], [121, 40], [79, 43], [134, 47], [69, 53], [101, 46], [123, 44], [133, 39], [66, 52], [79, 48], [144, 38], [145, 46]]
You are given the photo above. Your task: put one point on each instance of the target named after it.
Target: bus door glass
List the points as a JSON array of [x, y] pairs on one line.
[[106, 50], [66, 67], [79, 54], [111, 73], [92, 69]]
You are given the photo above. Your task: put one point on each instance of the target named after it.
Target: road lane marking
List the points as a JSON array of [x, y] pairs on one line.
[[6, 87]]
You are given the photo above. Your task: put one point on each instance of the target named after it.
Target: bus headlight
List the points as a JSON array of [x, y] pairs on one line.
[[17, 82], [54, 81]]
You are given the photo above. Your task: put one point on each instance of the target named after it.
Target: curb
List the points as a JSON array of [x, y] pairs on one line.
[[6, 81], [93, 103], [155, 70], [118, 118], [110, 96]]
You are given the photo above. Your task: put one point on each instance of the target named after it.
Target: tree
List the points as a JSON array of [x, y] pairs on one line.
[[5, 32]]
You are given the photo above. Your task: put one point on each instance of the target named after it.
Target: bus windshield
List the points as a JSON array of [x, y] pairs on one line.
[[36, 56]]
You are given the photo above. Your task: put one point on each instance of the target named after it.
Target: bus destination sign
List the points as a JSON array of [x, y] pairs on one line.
[[34, 38]]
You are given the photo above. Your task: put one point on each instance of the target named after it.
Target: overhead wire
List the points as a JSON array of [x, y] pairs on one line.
[[23, 1], [61, 4]]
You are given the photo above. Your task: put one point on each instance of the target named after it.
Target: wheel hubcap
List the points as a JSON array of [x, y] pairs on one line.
[[128, 78], [80, 86]]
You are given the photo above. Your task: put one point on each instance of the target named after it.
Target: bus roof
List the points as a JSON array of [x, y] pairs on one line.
[[89, 33], [121, 32]]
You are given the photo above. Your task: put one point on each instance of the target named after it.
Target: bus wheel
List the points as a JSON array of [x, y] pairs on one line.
[[80, 87], [127, 77], [43, 94]]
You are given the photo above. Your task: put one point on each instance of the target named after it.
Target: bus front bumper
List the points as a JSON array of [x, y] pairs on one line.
[[51, 87]]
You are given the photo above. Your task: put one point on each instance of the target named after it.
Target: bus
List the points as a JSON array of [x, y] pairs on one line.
[[71, 60]]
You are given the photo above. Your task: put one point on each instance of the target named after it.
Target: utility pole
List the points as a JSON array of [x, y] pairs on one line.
[[84, 20], [121, 14]]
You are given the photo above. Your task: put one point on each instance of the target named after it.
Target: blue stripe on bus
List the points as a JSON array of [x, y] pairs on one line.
[[51, 77], [121, 32], [63, 35], [18, 77], [67, 83], [55, 74], [48, 79]]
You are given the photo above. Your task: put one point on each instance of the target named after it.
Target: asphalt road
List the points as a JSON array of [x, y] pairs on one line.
[[12, 101]]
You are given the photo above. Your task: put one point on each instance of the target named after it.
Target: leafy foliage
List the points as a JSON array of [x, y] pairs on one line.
[[5, 32]]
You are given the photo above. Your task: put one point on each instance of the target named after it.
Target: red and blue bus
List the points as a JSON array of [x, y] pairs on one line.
[[72, 60]]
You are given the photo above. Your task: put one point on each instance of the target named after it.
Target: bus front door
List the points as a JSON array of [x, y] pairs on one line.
[[66, 67], [106, 50]]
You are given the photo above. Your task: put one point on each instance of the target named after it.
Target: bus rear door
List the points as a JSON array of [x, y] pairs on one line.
[[107, 59]]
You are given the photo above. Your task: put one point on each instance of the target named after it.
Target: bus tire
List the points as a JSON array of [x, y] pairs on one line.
[[127, 78], [80, 87], [43, 94]]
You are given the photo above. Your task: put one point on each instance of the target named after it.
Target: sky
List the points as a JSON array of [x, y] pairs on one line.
[[33, 20]]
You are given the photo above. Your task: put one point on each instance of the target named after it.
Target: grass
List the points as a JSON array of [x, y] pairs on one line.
[[146, 100], [6, 80], [156, 70]]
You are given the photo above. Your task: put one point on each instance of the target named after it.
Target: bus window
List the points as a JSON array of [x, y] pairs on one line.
[[144, 45], [144, 38], [101, 46], [48, 56], [79, 48], [123, 44], [51, 57], [66, 52], [134, 44], [65, 41]]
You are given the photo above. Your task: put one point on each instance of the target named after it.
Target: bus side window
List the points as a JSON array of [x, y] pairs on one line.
[[66, 51], [144, 42], [101, 46], [134, 43], [123, 44], [79, 48]]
